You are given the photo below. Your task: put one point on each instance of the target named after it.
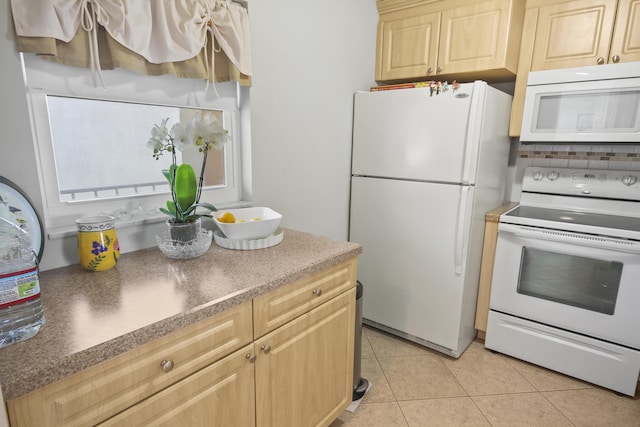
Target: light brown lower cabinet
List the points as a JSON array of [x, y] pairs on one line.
[[303, 377], [304, 369], [221, 394], [219, 372], [95, 394]]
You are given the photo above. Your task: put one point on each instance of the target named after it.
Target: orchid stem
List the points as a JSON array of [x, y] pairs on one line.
[[201, 180]]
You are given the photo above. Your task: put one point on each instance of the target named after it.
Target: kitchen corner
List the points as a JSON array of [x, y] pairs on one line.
[[94, 317]]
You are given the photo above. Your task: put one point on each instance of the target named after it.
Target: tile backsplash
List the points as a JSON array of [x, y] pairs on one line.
[[593, 156]]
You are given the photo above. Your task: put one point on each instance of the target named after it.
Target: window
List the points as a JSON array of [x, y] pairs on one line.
[[92, 142], [87, 152]]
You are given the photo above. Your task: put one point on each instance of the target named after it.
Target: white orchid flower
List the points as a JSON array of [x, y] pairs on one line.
[[180, 135], [158, 136], [206, 132]]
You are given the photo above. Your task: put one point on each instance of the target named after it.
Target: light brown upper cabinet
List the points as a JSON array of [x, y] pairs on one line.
[[450, 39], [571, 34], [625, 44]]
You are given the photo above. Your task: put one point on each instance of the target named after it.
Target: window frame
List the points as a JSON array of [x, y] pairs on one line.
[[44, 78]]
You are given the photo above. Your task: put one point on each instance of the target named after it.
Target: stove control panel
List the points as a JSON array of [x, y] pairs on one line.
[[614, 184]]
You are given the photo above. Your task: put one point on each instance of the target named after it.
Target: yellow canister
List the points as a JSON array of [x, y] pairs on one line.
[[98, 247]]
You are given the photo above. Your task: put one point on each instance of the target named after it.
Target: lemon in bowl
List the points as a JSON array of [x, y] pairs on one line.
[[247, 223]]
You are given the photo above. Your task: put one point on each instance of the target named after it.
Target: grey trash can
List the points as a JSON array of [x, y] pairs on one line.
[[360, 384]]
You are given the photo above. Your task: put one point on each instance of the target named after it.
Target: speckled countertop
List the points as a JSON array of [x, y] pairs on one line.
[[494, 214], [91, 317]]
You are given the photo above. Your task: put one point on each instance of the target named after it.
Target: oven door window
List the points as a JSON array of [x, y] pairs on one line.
[[578, 281]]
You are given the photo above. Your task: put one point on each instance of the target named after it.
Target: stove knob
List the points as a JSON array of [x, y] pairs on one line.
[[553, 175], [537, 176], [629, 180]]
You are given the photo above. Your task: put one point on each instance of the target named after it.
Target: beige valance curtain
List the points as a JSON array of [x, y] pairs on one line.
[[206, 39]]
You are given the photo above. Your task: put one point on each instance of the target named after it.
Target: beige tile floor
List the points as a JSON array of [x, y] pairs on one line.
[[413, 386]]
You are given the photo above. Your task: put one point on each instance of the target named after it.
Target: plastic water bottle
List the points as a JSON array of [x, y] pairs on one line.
[[21, 314]]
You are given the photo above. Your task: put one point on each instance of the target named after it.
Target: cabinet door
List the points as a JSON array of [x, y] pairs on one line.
[[304, 369], [407, 45], [625, 46], [573, 34], [474, 37], [219, 395]]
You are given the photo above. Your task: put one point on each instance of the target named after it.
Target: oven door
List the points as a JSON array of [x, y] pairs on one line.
[[582, 283]]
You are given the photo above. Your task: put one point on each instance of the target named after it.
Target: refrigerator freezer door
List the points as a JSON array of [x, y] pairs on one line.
[[408, 231], [410, 134]]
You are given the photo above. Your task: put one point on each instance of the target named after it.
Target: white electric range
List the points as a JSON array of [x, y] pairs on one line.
[[566, 279]]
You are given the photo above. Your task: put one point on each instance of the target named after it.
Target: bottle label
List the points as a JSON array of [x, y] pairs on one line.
[[19, 287]]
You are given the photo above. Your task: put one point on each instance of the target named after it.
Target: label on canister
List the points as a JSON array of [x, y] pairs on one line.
[[19, 287]]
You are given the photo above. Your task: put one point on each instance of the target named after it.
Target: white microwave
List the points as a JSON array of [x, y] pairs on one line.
[[598, 104]]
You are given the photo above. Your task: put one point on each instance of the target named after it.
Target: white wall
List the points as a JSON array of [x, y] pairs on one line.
[[308, 59], [16, 149], [17, 158]]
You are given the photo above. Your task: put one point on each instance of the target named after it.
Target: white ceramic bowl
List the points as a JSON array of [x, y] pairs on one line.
[[251, 223]]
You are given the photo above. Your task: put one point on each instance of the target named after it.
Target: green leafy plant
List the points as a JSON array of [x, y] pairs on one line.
[[204, 132]]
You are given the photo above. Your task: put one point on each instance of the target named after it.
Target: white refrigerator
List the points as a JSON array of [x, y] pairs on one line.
[[426, 168]]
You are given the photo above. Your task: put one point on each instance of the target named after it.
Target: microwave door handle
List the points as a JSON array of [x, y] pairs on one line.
[[572, 238], [462, 215]]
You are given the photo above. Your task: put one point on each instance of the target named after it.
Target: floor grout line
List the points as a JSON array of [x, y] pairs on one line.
[[381, 346]]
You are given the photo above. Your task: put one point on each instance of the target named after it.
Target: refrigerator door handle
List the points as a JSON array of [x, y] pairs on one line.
[[462, 214], [473, 133]]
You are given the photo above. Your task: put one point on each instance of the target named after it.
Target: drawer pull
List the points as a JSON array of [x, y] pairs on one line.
[[251, 357], [439, 70], [167, 365], [600, 60], [616, 59], [317, 292], [266, 348], [430, 70]]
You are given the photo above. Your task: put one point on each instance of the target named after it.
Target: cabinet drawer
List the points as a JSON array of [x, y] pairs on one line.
[[219, 395], [101, 391], [282, 305]]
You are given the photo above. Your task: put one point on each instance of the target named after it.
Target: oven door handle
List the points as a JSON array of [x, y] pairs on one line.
[[571, 238]]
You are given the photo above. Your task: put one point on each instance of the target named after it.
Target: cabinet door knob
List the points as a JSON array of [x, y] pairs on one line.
[[430, 70], [266, 348], [251, 357], [600, 60], [616, 58], [317, 292], [167, 365], [440, 69]]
